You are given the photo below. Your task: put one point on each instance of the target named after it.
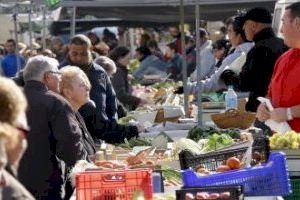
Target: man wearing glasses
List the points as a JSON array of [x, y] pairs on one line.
[[54, 136]]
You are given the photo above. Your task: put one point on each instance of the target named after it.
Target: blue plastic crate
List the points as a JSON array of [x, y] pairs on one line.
[[270, 179]]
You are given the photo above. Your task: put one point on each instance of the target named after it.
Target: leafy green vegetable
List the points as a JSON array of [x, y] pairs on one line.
[[125, 120], [172, 174], [217, 141], [129, 144], [197, 133]]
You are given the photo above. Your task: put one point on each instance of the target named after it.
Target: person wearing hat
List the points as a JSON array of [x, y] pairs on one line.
[[257, 71], [284, 88]]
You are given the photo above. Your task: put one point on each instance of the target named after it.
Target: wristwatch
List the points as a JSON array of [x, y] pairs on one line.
[[289, 114]]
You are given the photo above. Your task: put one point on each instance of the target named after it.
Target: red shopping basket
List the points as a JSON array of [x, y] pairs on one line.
[[109, 185]]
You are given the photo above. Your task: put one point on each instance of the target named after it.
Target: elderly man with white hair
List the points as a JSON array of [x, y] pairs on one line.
[[54, 140]]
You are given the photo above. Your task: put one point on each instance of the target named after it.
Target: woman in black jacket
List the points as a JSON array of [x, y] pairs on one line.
[[120, 55]]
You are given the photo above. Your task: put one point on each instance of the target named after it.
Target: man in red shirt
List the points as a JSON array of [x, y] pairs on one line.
[[284, 89]]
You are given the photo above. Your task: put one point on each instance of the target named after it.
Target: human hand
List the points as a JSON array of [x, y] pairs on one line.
[[140, 128], [144, 102], [262, 113], [178, 90], [130, 77], [279, 115]]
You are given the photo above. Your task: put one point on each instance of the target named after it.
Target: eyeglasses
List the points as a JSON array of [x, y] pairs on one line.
[[53, 72], [23, 131]]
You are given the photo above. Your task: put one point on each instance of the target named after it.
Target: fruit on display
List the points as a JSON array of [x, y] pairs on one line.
[[289, 140], [223, 168], [207, 195], [202, 195], [233, 163]]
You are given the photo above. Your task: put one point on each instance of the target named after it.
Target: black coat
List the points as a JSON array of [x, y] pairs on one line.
[[87, 139], [123, 88], [54, 142], [109, 131], [102, 92], [257, 71]]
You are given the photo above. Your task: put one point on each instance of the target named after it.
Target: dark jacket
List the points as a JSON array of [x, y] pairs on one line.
[[123, 88], [258, 69], [102, 92], [88, 141], [109, 131], [54, 142]]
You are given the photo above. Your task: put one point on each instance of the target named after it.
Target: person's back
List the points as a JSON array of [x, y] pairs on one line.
[[151, 65]]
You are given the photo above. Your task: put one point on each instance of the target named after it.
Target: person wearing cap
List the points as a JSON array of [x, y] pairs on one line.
[[257, 71], [284, 88]]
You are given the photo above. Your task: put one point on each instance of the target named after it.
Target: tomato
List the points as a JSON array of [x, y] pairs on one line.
[[233, 163]]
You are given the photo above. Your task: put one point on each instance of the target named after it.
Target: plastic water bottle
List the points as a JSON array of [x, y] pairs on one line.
[[231, 99]]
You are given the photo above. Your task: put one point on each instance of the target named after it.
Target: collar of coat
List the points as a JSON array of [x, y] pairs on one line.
[[86, 68], [36, 84], [264, 34]]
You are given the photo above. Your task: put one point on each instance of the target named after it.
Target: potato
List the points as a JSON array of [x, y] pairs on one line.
[[189, 196], [214, 196], [225, 195], [223, 168], [202, 195]]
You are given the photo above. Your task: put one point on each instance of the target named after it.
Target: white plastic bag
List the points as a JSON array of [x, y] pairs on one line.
[[281, 127]]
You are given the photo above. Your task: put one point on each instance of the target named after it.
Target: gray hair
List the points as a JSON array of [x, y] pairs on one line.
[[107, 64], [37, 66]]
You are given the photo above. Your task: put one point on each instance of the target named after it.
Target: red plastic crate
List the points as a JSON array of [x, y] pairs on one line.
[[113, 185]]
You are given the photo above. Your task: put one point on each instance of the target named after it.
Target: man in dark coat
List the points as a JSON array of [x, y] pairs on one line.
[[54, 140], [99, 118], [258, 69]]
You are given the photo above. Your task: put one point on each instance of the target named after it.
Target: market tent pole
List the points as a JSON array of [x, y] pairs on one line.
[[15, 18], [131, 41], [184, 66], [30, 26], [44, 27], [73, 22], [199, 94]]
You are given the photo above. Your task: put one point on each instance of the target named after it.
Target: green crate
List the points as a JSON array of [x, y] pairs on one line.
[[295, 183]]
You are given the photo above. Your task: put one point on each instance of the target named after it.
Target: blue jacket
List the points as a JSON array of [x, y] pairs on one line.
[[9, 64], [174, 66], [102, 92], [151, 65]]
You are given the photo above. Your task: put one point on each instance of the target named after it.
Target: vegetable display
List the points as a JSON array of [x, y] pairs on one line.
[[217, 141], [125, 120], [129, 144], [197, 133]]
